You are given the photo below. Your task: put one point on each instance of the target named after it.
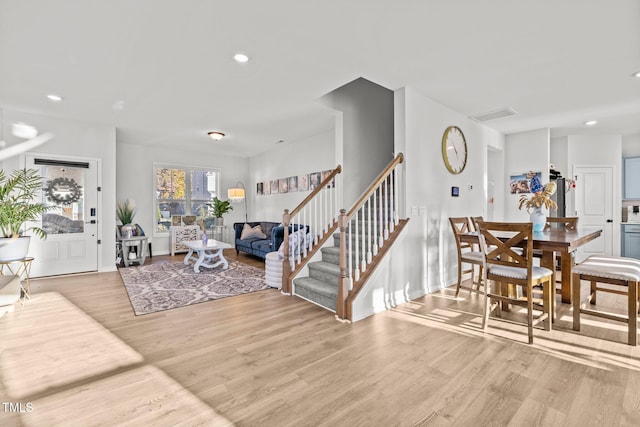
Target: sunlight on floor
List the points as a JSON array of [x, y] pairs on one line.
[[463, 316], [72, 369], [50, 343], [142, 396]]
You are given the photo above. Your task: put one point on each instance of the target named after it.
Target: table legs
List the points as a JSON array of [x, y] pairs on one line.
[[566, 266], [203, 258]]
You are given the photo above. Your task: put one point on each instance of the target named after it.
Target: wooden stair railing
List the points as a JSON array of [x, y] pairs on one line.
[[318, 211], [364, 242]]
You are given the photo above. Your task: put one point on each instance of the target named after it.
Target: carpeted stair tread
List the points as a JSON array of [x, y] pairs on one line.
[[327, 267], [318, 291]]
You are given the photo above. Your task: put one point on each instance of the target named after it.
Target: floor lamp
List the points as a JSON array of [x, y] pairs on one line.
[[238, 194]]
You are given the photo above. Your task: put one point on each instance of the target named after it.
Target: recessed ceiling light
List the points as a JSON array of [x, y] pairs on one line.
[[590, 122], [240, 57], [54, 98], [636, 74]]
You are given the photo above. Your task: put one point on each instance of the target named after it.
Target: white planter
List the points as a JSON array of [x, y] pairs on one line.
[[12, 249]]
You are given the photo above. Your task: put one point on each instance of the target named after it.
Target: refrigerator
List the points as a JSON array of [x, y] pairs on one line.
[[560, 197]]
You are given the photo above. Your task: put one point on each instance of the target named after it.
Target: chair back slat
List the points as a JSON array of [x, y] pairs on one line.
[[569, 223], [461, 225], [497, 240]]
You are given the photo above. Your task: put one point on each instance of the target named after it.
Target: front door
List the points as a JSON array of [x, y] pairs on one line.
[[594, 207], [71, 246]]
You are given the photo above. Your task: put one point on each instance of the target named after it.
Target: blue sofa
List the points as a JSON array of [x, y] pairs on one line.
[[261, 247]]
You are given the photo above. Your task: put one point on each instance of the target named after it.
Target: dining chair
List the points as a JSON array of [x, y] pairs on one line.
[[502, 265], [620, 276], [569, 223], [467, 254]]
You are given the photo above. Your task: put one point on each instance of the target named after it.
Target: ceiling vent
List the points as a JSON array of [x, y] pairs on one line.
[[492, 115]]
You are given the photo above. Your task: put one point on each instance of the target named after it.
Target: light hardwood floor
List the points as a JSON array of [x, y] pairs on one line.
[[78, 356]]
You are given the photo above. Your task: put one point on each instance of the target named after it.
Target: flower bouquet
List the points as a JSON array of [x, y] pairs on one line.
[[541, 195]]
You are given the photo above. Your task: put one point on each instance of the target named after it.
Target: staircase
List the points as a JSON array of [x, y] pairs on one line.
[[321, 287], [366, 233]]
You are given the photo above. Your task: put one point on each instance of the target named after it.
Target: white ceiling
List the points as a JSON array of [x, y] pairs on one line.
[[169, 63]]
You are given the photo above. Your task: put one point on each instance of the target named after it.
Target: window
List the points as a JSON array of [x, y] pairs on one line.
[[183, 191]]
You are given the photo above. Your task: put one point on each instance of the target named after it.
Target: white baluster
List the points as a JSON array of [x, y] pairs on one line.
[[369, 252]]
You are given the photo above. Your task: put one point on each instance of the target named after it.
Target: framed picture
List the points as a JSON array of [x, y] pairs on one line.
[[303, 182], [267, 187], [176, 220], [293, 184], [259, 189], [519, 184], [314, 180], [325, 174], [189, 219], [283, 186], [274, 186]]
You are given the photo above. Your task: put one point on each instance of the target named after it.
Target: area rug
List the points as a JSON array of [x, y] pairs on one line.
[[163, 286]]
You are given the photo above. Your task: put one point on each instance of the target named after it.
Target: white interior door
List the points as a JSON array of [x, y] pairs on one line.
[[71, 246], [594, 207]]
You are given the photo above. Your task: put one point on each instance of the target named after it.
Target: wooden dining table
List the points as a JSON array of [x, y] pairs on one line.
[[556, 240]]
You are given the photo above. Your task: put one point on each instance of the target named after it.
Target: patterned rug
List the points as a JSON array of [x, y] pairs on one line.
[[158, 287]]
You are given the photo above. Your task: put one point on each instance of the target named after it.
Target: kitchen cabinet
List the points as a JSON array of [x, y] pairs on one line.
[[632, 178], [631, 240]]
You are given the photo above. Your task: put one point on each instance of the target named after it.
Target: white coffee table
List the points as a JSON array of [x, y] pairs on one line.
[[206, 254]]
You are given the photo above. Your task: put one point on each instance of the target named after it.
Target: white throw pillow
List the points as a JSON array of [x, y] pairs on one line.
[[249, 232]]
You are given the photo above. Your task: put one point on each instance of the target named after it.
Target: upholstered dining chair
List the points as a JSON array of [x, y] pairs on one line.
[[503, 265], [467, 254]]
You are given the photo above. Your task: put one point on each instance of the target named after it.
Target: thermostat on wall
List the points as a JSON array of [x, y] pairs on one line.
[[455, 191]]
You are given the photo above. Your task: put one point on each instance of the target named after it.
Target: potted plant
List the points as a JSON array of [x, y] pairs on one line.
[[219, 208], [125, 211], [18, 206]]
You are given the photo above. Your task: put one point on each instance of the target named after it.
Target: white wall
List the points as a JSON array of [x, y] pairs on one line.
[[601, 150], [135, 180], [368, 131], [631, 146], [524, 151], [77, 139], [313, 154], [425, 258], [560, 155]]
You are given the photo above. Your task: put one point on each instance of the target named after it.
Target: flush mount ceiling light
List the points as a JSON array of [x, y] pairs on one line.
[[54, 98], [241, 57], [636, 74], [216, 136], [23, 130], [590, 122]]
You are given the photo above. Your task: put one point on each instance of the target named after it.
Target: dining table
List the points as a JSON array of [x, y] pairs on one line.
[[552, 241]]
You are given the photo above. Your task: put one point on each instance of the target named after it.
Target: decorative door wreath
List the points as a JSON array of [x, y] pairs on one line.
[[63, 191]]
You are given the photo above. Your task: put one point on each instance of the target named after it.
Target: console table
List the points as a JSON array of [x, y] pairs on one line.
[[183, 233]]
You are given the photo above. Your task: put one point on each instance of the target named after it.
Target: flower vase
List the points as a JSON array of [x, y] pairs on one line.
[[128, 231], [539, 219]]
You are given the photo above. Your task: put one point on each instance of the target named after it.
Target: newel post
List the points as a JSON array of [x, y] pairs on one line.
[[343, 284], [286, 265]]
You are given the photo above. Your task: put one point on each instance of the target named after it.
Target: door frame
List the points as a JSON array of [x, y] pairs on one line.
[[99, 202], [615, 201]]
